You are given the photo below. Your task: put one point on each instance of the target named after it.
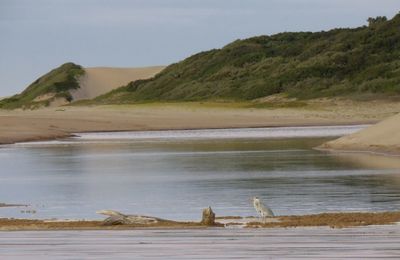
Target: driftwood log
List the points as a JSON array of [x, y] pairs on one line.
[[117, 218]]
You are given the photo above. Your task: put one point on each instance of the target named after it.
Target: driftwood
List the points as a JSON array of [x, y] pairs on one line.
[[117, 218], [12, 205], [208, 218]]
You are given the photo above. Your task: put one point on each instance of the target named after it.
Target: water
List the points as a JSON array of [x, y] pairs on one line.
[[378, 242], [175, 174]]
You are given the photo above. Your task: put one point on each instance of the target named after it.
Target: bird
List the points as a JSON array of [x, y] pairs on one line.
[[262, 209]]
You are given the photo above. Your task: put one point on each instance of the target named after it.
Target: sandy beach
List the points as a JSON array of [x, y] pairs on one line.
[[52, 123], [383, 137]]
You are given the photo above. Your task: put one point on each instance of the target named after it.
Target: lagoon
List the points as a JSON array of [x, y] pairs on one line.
[[175, 174]]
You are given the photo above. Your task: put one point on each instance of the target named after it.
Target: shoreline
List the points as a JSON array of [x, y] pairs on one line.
[[386, 153], [332, 220], [50, 124], [55, 123], [75, 134]]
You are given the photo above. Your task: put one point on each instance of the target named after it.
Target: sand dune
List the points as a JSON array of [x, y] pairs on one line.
[[100, 80], [383, 137]]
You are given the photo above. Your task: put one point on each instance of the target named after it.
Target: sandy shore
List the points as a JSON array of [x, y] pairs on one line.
[[333, 220], [383, 137], [51, 123]]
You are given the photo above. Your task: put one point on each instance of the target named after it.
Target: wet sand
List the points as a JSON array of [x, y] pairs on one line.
[[52, 123], [293, 243]]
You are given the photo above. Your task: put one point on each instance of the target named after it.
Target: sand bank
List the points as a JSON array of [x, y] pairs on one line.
[[333, 220], [383, 137], [52, 123]]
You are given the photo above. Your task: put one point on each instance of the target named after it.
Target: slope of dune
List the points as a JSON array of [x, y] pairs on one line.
[[100, 80], [383, 137], [52, 87], [71, 82]]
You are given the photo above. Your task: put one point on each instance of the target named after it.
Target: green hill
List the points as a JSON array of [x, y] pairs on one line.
[[339, 62], [52, 86]]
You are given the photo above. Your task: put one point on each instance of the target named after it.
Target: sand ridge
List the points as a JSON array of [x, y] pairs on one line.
[[100, 80], [383, 137]]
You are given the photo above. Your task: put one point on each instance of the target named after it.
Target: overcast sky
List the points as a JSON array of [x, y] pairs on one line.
[[38, 35]]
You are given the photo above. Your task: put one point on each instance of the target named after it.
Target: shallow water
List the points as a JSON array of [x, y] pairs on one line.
[[174, 174], [293, 243]]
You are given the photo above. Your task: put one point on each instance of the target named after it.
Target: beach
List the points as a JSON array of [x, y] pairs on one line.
[[53, 123]]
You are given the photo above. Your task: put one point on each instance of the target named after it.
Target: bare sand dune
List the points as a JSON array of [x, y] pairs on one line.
[[100, 80], [383, 137]]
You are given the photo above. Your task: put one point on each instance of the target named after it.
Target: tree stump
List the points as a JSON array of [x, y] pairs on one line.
[[208, 218]]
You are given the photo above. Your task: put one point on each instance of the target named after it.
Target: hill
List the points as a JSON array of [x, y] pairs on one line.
[[52, 87], [355, 62], [71, 82]]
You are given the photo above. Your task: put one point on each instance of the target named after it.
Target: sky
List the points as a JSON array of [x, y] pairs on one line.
[[39, 35]]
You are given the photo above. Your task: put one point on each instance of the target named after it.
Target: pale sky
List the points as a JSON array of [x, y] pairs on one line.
[[38, 35]]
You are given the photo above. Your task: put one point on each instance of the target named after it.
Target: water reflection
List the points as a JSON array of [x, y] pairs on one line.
[[176, 179], [367, 160]]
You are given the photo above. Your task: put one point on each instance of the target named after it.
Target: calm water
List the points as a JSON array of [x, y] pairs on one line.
[[379, 242], [174, 174]]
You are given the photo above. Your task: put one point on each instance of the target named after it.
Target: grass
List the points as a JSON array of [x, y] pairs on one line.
[[221, 104]]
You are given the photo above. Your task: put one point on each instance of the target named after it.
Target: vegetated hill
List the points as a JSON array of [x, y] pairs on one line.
[[339, 62], [52, 87], [71, 82]]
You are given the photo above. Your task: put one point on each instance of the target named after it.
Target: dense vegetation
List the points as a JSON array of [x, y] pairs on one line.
[[55, 84], [339, 62]]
